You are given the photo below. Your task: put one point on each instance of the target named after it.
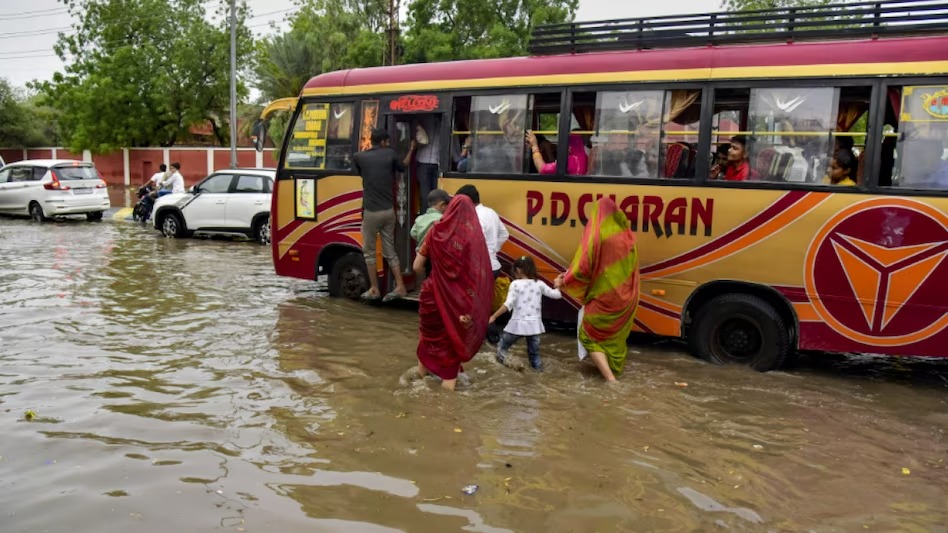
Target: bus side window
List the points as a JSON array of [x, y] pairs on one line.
[[624, 129], [791, 134], [916, 150], [461, 140], [498, 124]]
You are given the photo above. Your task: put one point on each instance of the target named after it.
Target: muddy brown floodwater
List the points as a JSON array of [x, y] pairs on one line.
[[182, 386]]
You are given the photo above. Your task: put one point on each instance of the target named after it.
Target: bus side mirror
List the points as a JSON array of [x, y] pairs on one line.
[[259, 134]]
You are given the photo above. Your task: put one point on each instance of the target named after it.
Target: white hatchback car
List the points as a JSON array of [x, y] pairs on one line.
[[44, 188], [228, 202]]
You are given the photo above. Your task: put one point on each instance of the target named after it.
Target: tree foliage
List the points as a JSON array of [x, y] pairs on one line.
[[442, 30], [754, 5], [24, 120], [142, 72], [324, 35]]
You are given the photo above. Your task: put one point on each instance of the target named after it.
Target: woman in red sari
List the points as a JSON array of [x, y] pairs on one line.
[[456, 297]]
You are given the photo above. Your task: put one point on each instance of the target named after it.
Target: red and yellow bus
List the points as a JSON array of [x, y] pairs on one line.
[[748, 272]]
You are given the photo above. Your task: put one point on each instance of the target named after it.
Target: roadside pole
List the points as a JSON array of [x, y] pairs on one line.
[[233, 83]]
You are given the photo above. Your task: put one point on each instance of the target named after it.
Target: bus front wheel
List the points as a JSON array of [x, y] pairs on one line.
[[348, 279], [741, 329]]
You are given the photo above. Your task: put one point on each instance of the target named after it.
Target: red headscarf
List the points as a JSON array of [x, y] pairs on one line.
[[461, 283]]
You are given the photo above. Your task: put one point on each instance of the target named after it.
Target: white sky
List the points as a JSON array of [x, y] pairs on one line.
[[28, 29]]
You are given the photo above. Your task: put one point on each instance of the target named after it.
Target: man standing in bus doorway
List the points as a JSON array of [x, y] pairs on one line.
[[378, 166], [428, 136]]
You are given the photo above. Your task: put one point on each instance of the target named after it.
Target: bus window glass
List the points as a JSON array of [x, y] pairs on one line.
[[461, 134], [789, 135], [322, 137], [544, 123], [919, 160], [498, 125], [791, 139], [641, 134]]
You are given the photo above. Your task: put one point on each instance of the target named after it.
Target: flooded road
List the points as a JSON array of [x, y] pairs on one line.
[[182, 386]]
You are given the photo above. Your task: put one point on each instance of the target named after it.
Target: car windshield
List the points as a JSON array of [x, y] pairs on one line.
[[86, 172]]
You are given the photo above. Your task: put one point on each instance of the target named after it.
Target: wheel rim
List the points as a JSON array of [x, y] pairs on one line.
[[738, 339], [353, 282], [170, 227], [265, 232]]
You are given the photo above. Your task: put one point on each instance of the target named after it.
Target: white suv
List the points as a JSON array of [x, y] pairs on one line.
[[228, 202], [45, 188]]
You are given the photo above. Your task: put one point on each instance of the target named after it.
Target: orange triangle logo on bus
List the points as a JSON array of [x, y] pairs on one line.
[[875, 269]]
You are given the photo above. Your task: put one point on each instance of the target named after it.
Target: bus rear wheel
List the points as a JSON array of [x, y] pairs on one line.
[[741, 329], [348, 278]]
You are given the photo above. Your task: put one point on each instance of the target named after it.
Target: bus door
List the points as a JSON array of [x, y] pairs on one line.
[[401, 128]]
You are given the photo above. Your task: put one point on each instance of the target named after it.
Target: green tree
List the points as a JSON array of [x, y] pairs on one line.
[[142, 72], [25, 120], [754, 5], [443, 30], [324, 36]]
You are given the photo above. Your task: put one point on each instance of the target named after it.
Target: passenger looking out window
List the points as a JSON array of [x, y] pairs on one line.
[[737, 167], [842, 168]]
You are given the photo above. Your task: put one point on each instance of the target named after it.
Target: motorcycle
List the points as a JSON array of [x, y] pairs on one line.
[[142, 210]]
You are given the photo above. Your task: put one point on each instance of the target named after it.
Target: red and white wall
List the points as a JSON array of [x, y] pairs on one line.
[[132, 166]]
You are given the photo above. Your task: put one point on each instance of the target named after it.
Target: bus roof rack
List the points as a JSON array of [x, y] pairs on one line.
[[833, 21]]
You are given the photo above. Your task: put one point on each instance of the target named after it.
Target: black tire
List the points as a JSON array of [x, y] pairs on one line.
[[172, 226], [95, 216], [261, 230], [36, 212], [740, 329], [348, 278]]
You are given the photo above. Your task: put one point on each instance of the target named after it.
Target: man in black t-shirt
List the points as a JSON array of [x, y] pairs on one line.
[[378, 166]]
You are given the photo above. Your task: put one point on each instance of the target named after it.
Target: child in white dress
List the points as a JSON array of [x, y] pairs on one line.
[[525, 301]]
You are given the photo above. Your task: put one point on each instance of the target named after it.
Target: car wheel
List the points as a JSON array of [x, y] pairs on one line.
[[36, 212], [741, 329], [261, 231], [95, 216], [348, 278], [172, 226]]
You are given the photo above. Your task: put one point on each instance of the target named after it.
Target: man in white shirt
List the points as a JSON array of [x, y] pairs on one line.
[[495, 233], [175, 183], [155, 181]]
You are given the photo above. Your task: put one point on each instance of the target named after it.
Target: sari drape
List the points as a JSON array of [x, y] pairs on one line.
[[461, 283], [604, 277]]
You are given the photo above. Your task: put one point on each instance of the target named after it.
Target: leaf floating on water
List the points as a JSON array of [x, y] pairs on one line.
[[681, 384], [906, 471], [29, 415]]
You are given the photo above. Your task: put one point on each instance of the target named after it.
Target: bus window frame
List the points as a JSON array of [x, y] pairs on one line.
[[288, 173], [703, 86], [816, 82], [517, 90], [884, 85]]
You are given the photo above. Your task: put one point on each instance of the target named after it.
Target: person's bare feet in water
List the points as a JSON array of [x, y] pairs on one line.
[[603, 365], [413, 374]]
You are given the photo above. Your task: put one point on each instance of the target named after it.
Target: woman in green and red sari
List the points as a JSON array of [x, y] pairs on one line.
[[604, 278]]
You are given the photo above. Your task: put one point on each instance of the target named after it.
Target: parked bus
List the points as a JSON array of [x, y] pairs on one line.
[[749, 272]]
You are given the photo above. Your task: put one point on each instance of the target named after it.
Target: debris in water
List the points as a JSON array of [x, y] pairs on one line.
[[458, 430], [470, 489], [29, 415], [645, 448], [508, 465], [681, 384], [758, 447], [481, 371], [906, 471], [401, 415]]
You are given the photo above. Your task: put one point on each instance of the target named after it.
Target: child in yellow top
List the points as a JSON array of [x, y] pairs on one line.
[[842, 169]]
